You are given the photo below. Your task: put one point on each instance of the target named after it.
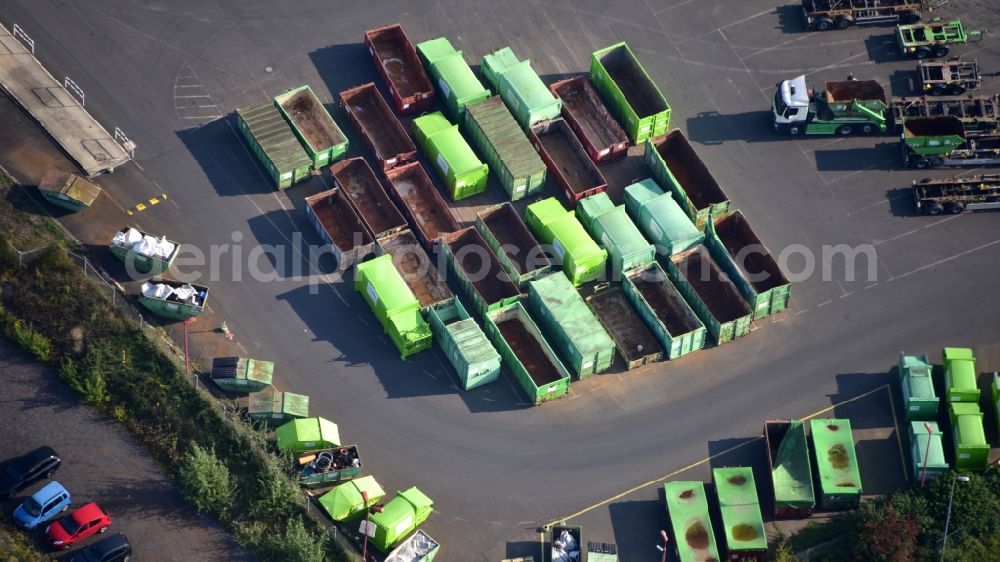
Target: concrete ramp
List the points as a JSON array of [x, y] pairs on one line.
[[55, 109]]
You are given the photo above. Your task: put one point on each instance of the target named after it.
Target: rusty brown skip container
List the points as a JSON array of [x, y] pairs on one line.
[[339, 225], [422, 203], [567, 160], [586, 114], [378, 126], [397, 63], [357, 180]]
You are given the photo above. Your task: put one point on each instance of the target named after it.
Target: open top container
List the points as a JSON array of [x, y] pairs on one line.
[[664, 311], [368, 198], [600, 134], [173, 299], [567, 160], [315, 128], [630, 93], [711, 294], [422, 202], [478, 270], [381, 131], [675, 164], [68, 191], [336, 221], [526, 353], [520, 255], [397, 63], [635, 342], [417, 269]]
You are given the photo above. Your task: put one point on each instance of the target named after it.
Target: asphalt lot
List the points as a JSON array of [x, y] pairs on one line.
[[496, 468], [102, 463]]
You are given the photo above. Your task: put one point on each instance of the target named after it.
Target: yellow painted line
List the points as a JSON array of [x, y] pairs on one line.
[[140, 207], [899, 441], [154, 201], [709, 459]]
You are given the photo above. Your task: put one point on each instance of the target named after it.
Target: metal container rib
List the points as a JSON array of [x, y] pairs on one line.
[[501, 142]]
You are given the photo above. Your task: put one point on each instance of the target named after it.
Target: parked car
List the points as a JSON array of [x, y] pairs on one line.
[[77, 526], [42, 506], [111, 549], [20, 472]]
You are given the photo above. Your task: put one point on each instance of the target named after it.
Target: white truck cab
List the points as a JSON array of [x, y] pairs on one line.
[[790, 106]]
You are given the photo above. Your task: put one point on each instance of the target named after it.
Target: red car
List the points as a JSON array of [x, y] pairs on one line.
[[78, 525]]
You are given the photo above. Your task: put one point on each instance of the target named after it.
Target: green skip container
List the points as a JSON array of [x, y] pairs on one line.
[[456, 84], [520, 87], [529, 357], [461, 170], [273, 406], [399, 517], [584, 344], [462, 340], [837, 464], [926, 451], [661, 219], [478, 270], [242, 374], [173, 299], [663, 310], [146, 253], [629, 92], [394, 304], [274, 143], [972, 451], [713, 297], [612, 228], [687, 508], [69, 191], [508, 152], [920, 402], [582, 260], [320, 136], [741, 517], [676, 165], [960, 375], [520, 255]]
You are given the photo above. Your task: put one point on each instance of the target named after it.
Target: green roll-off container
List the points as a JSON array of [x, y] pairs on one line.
[[399, 517], [972, 451], [687, 508], [274, 143], [420, 547], [661, 219], [520, 255], [456, 83], [711, 294], [582, 260], [741, 518], [791, 471], [478, 270], [464, 343], [629, 92], [926, 452], [520, 87], [663, 310], [275, 406], [315, 128], [526, 354], [748, 263], [146, 253], [241, 374], [173, 299], [394, 304], [461, 170], [836, 463], [506, 149], [612, 228], [583, 343], [920, 402], [676, 165], [960, 375]]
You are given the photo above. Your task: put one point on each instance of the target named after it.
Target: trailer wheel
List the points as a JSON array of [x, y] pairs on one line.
[[794, 130], [956, 208], [867, 129], [935, 209], [921, 163], [909, 17], [823, 24], [922, 52], [938, 90], [956, 89], [940, 51], [842, 22], [845, 130]]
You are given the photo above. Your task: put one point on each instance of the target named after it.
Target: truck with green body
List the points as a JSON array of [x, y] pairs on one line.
[[520, 255], [366, 195], [843, 107], [519, 86], [173, 299], [337, 223], [463, 174], [631, 95], [319, 134], [677, 167], [791, 471], [580, 258], [512, 160], [241, 374], [457, 85], [477, 270], [145, 253], [465, 345], [394, 304], [378, 125], [836, 464], [933, 38], [664, 311], [931, 142], [822, 15], [275, 145], [635, 342], [526, 353], [711, 294], [743, 525], [687, 509]]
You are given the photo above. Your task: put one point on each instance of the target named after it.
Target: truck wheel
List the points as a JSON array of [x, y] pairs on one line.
[[956, 89], [842, 23], [956, 208], [922, 52], [938, 90], [935, 209], [795, 130], [845, 130], [867, 129], [940, 51], [909, 17], [823, 24], [921, 163]]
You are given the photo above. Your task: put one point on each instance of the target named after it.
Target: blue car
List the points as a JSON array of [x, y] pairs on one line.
[[42, 506]]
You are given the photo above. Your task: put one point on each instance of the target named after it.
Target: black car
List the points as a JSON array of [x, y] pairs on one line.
[[112, 549], [20, 472]]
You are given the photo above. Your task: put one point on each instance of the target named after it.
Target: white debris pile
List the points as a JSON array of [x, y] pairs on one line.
[[144, 244], [186, 294], [565, 548], [414, 549]]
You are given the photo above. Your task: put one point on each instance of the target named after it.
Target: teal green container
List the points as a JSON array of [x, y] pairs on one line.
[[527, 355], [968, 436], [926, 452], [456, 84], [687, 509], [629, 92], [663, 310], [478, 270], [173, 299], [461, 170], [313, 125], [836, 462], [661, 219], [583, 343], [742, 523], [273, 406], [274, 143], [69, 191], [960, 375], [920, 403], [616, 233], [394, 304], [501, 142], [464, 344], [520, 255], [242, 374], [713, 297], [520, 87], [749, 264], [676, 165], [146, 253], [581, 258]]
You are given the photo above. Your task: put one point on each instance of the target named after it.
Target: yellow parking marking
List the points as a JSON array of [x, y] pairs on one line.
[[139, 207], [708, 459]]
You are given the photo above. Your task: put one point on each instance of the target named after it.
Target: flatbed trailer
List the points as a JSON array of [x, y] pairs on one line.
[[933, 38], [821, 15], [951, 77], [980, 115], [378, 126], [943, 141], [954, 195]]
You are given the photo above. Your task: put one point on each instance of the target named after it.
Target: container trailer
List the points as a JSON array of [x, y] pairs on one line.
[[319, 134], [791, 471], [519, 86], [339, 225], [676, 165], [394, 304], [326, 467], [968, 436], [943, 141], [614, 231], [456, 83], [711, 294], [241, 374], [520, 255], [146, 253], [635, 342], [463, 174], [464, 344], [509, 154], [422, 203], [567, 160], [364, 191], [527, 355], [661, 219], [275, 145], [934, 38], [173, 299], [926, 452], [378, 126], [742, 522], [478, 271], [979, 114], [664, 311], [581, 259], [417, 268], [399, 517], [843, 107], [400, 68], [69, 191], [952, 77], [822, 15], [583, 110], [836, 463], [687, 509], [960, 375], [920, 402], [630, 93]]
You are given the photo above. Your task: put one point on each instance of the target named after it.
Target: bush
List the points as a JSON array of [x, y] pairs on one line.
[[278, 495], [295, 544], [883, 535], [205, 482], [27, 337]]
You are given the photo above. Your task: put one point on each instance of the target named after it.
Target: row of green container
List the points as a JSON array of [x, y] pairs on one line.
[[972, 451], [520, 255], [960, 375], [582, 260], [274, 143], [535, 367], [676, 165], [319, 134], [464, 175], [464, 344], [478, 270], [611, 227], [687, 509], [456, 84], [836, 463], [711, 294], [926, 451], [387, 527], [664, 311], [520, 87], [514, 162], [920, 402], [629, 92], [748, 263], [661, 219], [741, 517], [394, 304], [585, 346]]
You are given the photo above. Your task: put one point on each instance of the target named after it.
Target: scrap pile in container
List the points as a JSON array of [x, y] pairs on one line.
[[146, 245], [186, 294]]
